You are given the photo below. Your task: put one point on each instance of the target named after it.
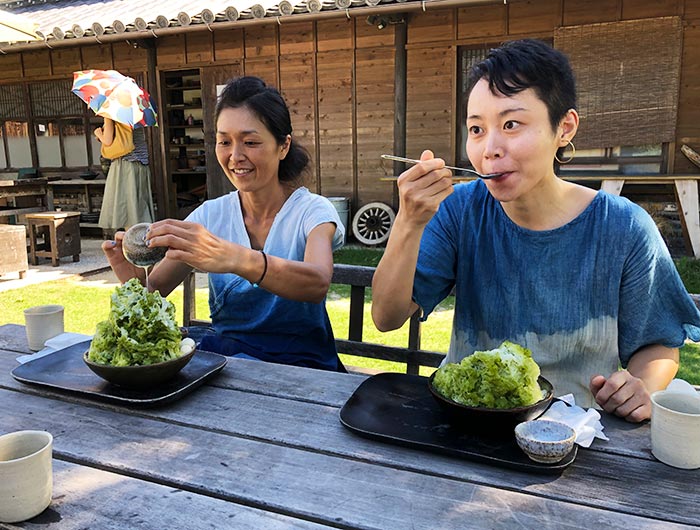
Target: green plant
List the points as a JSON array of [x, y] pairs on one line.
[[689, 271]]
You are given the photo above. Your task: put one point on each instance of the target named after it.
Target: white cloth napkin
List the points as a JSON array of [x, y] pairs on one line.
[[586, 423], [682, 387], [54, 344]]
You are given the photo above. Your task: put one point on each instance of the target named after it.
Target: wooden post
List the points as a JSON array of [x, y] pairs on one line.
[[614, 187], [687, 196], [189, 308], [400, 77], [413, 368], [357, 307]]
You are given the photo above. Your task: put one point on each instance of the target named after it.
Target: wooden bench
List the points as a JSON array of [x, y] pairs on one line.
[[359, 279]]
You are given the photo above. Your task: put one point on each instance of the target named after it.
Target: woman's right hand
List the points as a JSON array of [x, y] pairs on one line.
[[123, 269], [422, 188]]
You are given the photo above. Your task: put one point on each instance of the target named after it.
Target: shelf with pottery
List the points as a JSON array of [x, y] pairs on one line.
[[80, 195], [184, 106], [183, 88], [184, 117], [33, 190], [186, 147]]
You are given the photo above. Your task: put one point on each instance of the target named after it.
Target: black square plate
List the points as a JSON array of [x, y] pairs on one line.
[[66, 370], [399, 408]]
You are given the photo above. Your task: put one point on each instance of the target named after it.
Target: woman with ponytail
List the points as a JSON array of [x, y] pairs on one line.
[[267, 246]]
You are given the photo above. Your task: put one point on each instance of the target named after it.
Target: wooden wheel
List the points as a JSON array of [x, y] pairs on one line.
[[372, 223]]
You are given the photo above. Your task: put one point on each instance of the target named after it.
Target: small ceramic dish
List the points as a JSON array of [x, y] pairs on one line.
[[135, 249], [545, 441]]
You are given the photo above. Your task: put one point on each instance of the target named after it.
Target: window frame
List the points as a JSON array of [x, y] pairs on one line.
[[579, 163], [86, 116]]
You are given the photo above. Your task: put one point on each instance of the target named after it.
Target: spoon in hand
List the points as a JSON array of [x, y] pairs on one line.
[[412, 161]]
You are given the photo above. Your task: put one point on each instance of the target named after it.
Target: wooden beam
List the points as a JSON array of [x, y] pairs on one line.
[[614, 187]]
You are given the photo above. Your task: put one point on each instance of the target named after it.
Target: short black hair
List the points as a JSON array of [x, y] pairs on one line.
[[270, 108], [529, 63]]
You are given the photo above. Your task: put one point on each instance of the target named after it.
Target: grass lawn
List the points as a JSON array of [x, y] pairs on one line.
[[87, 303]]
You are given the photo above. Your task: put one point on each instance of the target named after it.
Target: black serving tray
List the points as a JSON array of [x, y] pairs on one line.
[[399, 409], [66, 370]]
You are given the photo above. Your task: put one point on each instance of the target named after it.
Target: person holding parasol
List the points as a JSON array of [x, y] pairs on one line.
[[126, 109]]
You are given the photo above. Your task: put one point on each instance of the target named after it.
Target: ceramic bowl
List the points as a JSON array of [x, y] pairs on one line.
[[135, 249], [545, 441], [484, 420], [140, 377]]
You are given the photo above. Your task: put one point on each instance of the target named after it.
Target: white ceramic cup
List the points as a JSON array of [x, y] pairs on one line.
[[675, 429], [26, 478], [42, 323]]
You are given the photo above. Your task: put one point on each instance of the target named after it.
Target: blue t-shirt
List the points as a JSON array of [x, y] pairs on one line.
[[252, 320], [583, 297]]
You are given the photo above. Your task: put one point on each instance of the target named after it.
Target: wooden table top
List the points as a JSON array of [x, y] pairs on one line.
[[261, 447], [32, 182]]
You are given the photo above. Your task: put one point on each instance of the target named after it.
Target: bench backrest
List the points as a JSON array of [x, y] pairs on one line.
[[359, 279]]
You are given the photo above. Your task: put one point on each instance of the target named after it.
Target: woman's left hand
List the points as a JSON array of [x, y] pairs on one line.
[[622, 394], [193, 244]]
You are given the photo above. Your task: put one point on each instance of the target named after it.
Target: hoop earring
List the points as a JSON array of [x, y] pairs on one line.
[[573, 154]]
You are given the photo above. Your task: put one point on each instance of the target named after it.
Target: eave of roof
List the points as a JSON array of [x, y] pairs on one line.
[[74, 22]]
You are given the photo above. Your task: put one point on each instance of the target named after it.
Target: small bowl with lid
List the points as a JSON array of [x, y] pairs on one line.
[[135, 249], [545, 441]]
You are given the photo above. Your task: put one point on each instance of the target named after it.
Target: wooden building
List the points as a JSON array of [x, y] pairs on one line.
[[361, 79]]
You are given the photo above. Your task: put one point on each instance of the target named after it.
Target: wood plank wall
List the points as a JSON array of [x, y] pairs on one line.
[[337, 75]]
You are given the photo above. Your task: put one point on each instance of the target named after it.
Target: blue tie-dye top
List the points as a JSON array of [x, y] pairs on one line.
[[583, 297], [255, 321]]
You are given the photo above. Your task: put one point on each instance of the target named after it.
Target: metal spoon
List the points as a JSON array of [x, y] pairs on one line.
[[412, 161]]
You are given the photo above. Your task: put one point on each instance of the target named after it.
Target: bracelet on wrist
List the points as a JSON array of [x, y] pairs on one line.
[[262, 277]]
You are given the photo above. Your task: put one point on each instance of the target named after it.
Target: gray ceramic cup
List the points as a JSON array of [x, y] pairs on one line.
[[43, 322], [675, 429], [26, 471]]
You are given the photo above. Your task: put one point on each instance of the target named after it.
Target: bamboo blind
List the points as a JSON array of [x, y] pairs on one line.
[[12, 102], [627, 77]]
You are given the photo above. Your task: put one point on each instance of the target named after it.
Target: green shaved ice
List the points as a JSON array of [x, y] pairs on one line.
[[140, 329], [502, 378]]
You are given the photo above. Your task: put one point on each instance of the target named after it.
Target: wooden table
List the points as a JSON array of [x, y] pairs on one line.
[[261, 447]]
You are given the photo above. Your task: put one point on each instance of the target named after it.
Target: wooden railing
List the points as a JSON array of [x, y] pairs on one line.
[[359, 279]]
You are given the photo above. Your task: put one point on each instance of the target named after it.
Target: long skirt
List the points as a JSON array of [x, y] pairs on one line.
[[127, 198]]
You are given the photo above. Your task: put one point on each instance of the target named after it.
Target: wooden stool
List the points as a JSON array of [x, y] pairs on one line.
[[13, 249], [60, 232]]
